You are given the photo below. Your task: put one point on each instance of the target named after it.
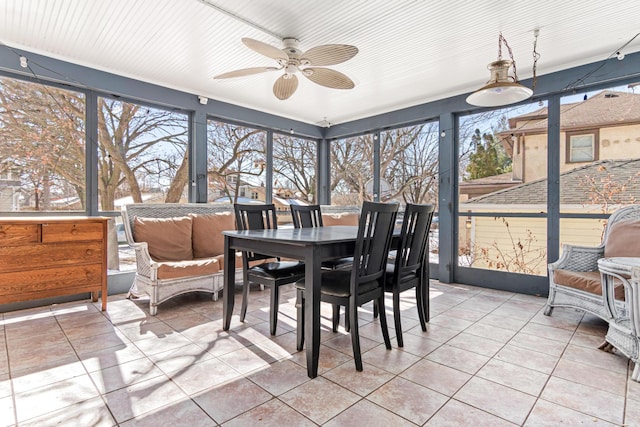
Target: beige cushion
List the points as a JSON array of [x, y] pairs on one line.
[[208, 240], [169, 239], [220, 259], [344, 218], [588, 281], [194, 267], [623, 239]]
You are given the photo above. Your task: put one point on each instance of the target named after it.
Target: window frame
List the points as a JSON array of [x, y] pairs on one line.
[[594, 133]]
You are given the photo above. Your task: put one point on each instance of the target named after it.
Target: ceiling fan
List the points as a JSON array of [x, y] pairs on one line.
[[293, 60]]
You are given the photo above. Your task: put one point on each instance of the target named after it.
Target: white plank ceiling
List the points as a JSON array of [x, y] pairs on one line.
[[411, 51]]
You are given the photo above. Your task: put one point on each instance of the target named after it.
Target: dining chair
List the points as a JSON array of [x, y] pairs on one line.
[[411, 266], [270, 273], [311, 216], [364, 281]]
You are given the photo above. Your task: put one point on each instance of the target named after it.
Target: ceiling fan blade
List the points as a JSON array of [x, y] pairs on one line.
[[245, 72], [329, 54], [265, 49], [284, 87], [329, 78]]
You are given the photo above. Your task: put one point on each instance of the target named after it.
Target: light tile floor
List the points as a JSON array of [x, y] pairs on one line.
[[488, 358]]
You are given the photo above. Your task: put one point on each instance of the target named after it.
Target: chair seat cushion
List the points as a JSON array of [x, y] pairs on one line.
[[588, 281], [195, 267], [338, 283], [338, 263], [277, 269], [406, 276]]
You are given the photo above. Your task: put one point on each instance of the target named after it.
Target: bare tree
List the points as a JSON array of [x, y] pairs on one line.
[[409, 162], [42, 134], [135, 143], [351, 168], [294, 165], [235, 154], [42, 137]]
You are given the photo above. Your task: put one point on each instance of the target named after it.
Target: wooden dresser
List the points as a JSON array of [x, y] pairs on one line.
[[53, 256]]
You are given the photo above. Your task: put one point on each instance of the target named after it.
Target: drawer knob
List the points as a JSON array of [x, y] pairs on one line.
[[89, 251]]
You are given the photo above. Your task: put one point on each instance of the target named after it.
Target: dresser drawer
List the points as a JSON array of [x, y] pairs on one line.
[[13, 234], [45, 257], [43, 283], [13, 258], [71, 231]]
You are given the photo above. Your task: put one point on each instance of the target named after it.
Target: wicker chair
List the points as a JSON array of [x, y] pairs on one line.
[[574, 280], [149, 279], [624, 328]]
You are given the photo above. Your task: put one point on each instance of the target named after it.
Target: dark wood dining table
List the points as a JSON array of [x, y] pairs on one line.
[[310, 245]]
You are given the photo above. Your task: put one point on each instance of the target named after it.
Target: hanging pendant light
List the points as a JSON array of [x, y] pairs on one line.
[[501, 89]]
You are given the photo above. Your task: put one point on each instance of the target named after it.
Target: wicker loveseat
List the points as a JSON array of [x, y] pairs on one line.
[[179, 248], [574, 280]]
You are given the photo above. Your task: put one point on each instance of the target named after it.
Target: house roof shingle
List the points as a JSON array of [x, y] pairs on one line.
[[607, 108], [618, 179]]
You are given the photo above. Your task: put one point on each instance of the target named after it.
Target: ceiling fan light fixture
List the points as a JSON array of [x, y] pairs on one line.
[[292, 60], [501, 89]]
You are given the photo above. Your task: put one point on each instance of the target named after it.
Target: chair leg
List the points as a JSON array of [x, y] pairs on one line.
[[245, 299], [300, 320], [421, 307], [383, 322], [347, 323], [427, 302], [355, 339], [396, 317], [273, 310], [335, 317], [548, 309], [375, 309]]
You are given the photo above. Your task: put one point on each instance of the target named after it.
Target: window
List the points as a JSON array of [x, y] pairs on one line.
[[582, 147], [294, 168], [42, 148], [351, 170], [497, 179], [409, 164], [235, 161], [142, 154]]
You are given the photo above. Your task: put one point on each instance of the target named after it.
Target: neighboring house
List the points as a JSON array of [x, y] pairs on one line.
[[282, 198], [599, 171], [9, 192], [478, 187], [605, 126]]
